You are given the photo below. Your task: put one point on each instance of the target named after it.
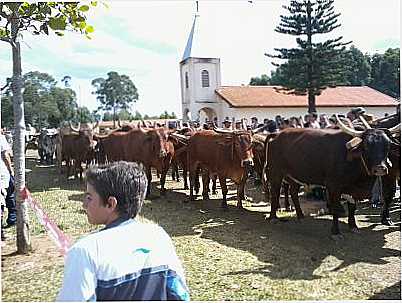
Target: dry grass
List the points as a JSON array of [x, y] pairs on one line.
[[227, 255]]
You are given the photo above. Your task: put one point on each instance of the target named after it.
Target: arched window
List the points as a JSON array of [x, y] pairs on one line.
[[205, 78], [186, 79]]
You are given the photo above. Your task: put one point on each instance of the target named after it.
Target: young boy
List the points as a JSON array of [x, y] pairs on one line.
[[126, 260]]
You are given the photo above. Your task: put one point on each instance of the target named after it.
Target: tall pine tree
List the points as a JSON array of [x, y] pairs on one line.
[[312, 66]]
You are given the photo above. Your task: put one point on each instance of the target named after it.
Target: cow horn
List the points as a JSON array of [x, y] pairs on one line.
[[223, 131], [244, 124], [378, 120], [259, 129], [396, 129], [96, 125], [365, 123], [73, 128], [179, 136], [348, 130]]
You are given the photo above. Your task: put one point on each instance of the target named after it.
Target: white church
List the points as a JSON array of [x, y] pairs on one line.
[[204, 96]]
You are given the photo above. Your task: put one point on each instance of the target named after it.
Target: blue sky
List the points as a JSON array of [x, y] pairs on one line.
[[145, 40]]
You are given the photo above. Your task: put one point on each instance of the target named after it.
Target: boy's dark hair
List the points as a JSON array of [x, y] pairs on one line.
[[125, 181]]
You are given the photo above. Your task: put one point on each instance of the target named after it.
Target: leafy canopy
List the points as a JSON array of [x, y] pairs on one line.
[[116, 92], [311, 66], [41, 17]]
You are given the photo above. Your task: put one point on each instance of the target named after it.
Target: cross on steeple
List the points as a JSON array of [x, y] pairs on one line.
[[196, 3]]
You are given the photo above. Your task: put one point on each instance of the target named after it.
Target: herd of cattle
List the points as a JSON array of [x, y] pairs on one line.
[[345, 160]]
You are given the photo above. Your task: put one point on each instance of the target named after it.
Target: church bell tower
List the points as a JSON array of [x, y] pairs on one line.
[[199, 77]]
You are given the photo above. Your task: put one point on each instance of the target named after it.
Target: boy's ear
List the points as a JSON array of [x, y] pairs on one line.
[[111, 202]]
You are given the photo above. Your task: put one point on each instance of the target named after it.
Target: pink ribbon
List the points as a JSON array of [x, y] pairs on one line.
[[61, 240]]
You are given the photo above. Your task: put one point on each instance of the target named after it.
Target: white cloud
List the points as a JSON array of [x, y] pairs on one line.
[[146, 40]]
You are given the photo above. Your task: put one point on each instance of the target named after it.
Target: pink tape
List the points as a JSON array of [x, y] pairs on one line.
[[61, 240]]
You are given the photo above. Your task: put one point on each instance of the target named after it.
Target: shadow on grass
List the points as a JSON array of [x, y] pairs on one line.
[[389, 293], [291, 250], [47, 178]]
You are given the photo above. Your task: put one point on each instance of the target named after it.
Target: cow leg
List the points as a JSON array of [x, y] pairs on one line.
[[240, 193], [222, 181], [173, 172], [214, 184], [351, 217], [275, 191], [192, 176], [389, 189], [176, 168], [285, 187], [162, 182], [185, 173], [149, 177], [197, 180], [336, 211], [294, 192], [205, 184]]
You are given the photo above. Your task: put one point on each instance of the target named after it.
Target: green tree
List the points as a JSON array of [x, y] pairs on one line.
[[313, 66], [385, 72], [7, 119], [137, 115], [124, 114], [114, 93], [166, 115], [38, 105], [66, 101], [263, 80], [357, 67], [36, 18], [84, 115], [107, 116]]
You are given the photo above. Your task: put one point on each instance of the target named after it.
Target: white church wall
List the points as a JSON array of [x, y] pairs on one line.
[[270, 113], [205, 94], [185, 92]]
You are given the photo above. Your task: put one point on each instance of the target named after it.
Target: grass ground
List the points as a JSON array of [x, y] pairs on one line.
[[227, 255]]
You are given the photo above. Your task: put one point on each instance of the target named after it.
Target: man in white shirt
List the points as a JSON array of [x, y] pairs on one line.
[[127, 260], [5, 172]]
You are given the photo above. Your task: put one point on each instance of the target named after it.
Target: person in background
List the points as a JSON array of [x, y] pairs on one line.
[[324, 121], [6, 172], [127, 260], [313, 120], [254, 122], [227, 124]]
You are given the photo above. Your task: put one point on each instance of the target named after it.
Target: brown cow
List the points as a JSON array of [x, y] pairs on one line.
[[226, 154], [346, 162], [75, 148], [148, 146]]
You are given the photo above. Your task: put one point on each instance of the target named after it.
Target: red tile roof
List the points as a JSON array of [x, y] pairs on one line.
[[274, 96]]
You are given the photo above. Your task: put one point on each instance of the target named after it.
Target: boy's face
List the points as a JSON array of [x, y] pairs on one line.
[[97, 212]]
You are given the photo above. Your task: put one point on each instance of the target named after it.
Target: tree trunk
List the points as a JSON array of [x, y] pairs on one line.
[[114, 117], [311, 97], [311, 102], [23, 235]]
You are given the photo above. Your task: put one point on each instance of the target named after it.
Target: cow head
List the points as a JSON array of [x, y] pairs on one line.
[[371, 145], [242, 146], [157, 138]]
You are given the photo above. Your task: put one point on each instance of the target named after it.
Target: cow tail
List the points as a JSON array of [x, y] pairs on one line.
[[269, 138]]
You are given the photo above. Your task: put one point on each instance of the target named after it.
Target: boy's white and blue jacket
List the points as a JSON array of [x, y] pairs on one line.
[[127, 260]]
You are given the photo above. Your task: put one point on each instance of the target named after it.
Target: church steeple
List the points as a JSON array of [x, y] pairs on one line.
[[189, 45]]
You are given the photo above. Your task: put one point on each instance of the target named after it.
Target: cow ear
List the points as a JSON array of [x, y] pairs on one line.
[[354, 153], [354, 143]]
